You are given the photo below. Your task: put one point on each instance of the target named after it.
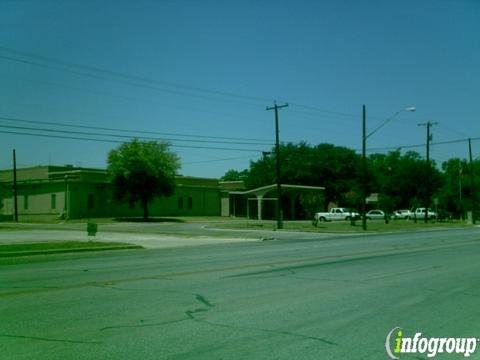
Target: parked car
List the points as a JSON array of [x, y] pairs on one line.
[[444, 215], [375, 215], [420, 213], [335, 214], [402, 214]]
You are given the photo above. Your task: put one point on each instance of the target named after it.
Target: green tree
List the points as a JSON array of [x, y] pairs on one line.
[[404, 181], [334, 167], [142, 170], [234, 175], [456, 193], [311, 203], [2, 195]]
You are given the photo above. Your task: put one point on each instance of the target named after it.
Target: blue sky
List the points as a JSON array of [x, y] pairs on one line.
[[208, 69]]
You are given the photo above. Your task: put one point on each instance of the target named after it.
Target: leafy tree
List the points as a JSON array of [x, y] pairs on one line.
[[142, 170], [311, 202], [2, 195], [456, 193], [234, 175], [334, 167], [403, 180]]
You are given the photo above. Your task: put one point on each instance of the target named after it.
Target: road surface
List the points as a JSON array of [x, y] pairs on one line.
[[325, 298]]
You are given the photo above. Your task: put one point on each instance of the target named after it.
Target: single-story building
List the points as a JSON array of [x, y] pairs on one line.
[[50, 192]]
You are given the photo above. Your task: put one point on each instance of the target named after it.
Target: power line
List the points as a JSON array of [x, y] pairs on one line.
[[118, 141], [131, 98], [216, 160], [125, 136], [314, 108], [447, 142], [130, 130], [125, 82], [399, 147], [131, 77], [331, 112], [139, 81]]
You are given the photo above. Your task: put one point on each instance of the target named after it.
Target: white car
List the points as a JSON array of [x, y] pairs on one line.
[[335, 214], [420, 213], [402, 214], [375, 215]]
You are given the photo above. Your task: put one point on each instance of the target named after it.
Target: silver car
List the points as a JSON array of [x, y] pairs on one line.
[[402, 214], [375, 215]]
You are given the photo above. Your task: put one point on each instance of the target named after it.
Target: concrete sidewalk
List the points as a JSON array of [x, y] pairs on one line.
[[147, 235], [144, 240]]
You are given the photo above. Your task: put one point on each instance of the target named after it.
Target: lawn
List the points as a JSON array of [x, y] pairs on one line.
[[340, 226], [54, 247]]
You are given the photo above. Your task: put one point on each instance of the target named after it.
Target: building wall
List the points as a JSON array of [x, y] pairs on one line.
[[45, 193]]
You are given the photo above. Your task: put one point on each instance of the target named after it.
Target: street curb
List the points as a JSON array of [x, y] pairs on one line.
[[63, 251]]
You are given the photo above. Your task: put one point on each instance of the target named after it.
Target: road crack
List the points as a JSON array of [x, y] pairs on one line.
[[49, 339], [203, 300], [143, 325], [277, 332]]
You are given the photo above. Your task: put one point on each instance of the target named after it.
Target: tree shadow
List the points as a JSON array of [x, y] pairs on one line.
[[149, 220]]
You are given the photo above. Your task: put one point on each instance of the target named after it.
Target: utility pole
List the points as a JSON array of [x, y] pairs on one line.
[[460, 173], [15, 200], [429, 125], [472, 179], [364, 167], [365, 136], [277, 151]]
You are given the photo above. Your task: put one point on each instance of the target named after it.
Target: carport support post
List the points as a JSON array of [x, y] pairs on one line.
[[15, 197], [259, 207]]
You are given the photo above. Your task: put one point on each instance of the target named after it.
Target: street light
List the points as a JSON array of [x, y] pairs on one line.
[[365, 136]]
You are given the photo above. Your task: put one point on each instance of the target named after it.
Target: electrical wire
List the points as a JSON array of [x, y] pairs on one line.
[[133, 77], [118, 141], [132, 80], [126, 136], [447, 142], [216, 160], [132, 131], [120, 80], [133, 98]]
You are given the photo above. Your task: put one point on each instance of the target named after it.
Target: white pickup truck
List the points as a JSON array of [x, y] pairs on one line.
[[335, 214]]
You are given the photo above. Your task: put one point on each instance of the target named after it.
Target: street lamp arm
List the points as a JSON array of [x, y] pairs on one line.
[[387, 120]]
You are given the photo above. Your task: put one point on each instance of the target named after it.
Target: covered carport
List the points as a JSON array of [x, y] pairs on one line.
[[241, 201]]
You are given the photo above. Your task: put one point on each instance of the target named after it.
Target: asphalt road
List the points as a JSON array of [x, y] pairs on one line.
[[148, 235], [326, 298]]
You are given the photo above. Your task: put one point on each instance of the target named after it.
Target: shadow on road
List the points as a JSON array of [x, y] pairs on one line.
[[150, 220]]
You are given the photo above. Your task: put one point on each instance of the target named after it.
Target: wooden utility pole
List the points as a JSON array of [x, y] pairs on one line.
[[279, 211], [429, 125], [472, 180], [364, 167]]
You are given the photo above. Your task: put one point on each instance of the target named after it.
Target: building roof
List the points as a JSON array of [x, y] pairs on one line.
[[264, 189], [49, 173]]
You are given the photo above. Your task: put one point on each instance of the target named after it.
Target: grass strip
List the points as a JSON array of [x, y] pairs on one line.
[[376, 226], [60, 247]]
